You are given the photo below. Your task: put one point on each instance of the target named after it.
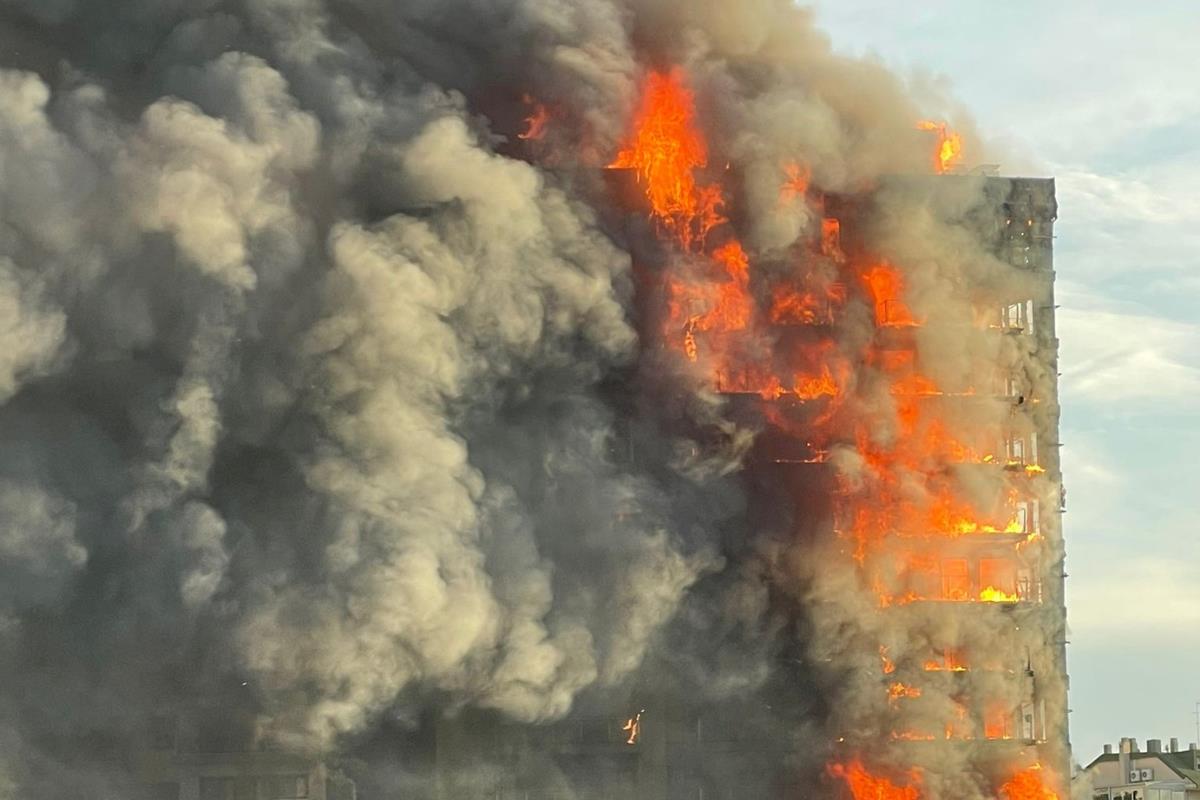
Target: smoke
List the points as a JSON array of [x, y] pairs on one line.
[[329, 403]]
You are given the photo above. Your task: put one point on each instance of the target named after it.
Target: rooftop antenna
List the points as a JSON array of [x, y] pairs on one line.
[[1196, 714]]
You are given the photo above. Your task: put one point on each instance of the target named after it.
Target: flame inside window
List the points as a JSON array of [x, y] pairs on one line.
[[865, 786], [1028, 784]]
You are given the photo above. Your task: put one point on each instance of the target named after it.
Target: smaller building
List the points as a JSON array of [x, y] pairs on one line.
[[1152, 774], [217, 760]]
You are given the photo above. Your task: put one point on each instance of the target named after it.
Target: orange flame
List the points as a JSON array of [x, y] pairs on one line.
[[665, 149], [536, 122], [1027, 785], [791, 305], [898, 691], [997, 722], [831, 238], [990, 594], [732, 309], [949, 146], [796, 183], [865, 786], [886, 286]]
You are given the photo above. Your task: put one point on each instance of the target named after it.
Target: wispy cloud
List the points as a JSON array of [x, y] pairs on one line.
[[1166, 590], [1109, 105], [1136, 226], [1113, 357]]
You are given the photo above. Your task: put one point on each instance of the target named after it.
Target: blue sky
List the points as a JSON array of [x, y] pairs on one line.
[[1105, 97]]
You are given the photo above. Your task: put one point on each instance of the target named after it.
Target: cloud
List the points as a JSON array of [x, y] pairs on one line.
[[1130, 229], [1127, 362], [1137, 591]]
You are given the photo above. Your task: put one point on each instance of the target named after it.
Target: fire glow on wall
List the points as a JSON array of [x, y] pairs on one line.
[[935, 511]]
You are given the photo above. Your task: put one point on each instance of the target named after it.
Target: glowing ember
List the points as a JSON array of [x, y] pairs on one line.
[[949, 146], [536, 122], [1027, 785], [865, 786], [665, 149], [633, 727]]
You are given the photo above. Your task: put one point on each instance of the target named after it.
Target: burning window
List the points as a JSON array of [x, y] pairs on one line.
[[948, 660], [898, 691], [997, 722], [1020, 450], [956, 579], [1029, 783], [831, 238], [957, 726], [997, 579], [1027, 517], [921, 576], [1017, 317], [886, 285], [865, 786]]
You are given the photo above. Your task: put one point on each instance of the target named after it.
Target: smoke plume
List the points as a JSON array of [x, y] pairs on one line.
[[330, 401]]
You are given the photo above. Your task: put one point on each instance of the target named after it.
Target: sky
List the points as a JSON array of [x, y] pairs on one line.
[[1104, 97]]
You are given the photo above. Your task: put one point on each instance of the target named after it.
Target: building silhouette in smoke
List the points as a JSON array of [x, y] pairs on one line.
[[763, 742], [215, 757]]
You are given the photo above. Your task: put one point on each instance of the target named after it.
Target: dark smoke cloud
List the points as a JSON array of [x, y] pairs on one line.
[[307, 372]]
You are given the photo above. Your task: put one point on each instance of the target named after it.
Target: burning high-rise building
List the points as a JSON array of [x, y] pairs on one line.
[[905, 398], [515, 400]]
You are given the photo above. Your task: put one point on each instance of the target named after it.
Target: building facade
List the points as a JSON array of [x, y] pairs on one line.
[[219, 761], [960, 615]]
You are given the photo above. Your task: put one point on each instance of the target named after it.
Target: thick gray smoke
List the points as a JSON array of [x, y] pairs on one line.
[[312, 372], [301, 374]]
